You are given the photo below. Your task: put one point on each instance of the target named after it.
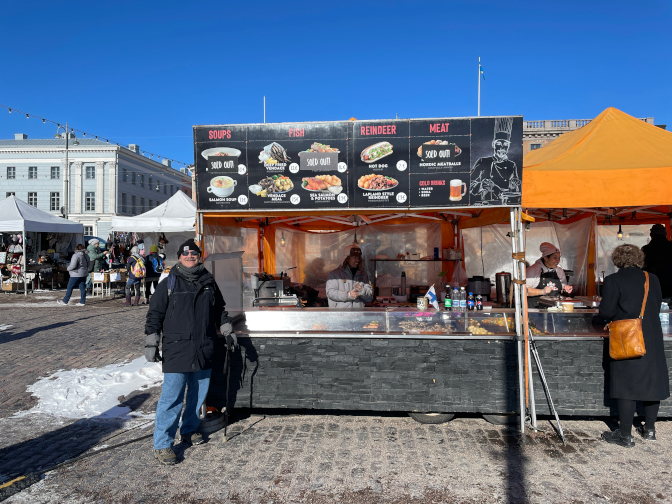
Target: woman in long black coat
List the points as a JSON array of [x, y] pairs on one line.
[[643, 378]]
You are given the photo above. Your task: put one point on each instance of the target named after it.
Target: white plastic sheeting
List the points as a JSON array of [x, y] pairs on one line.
[[218, 240], [607, 241], [495, 253], [323, 252]]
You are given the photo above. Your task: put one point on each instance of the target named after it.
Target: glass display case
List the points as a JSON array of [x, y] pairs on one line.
[[375, 321], [586, 323]]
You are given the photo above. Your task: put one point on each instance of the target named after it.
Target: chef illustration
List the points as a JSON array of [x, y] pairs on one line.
[[496, 177]]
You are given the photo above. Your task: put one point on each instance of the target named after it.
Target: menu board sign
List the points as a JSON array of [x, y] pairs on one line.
[[348, 165]]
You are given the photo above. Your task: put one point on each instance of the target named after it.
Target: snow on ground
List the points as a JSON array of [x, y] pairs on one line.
[[93, 392]]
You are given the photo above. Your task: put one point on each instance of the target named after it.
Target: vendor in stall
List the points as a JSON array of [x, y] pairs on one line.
[[545, 277], [348, 285]]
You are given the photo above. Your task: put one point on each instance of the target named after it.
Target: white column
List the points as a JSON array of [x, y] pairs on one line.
[[100, 186], [77, 187], [112, 180]]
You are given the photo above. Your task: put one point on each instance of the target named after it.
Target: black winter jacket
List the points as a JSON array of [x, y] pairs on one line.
[[643, 378], [658, 260], [188, 320]]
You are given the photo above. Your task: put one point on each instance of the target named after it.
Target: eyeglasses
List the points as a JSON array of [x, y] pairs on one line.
[[194, 253]]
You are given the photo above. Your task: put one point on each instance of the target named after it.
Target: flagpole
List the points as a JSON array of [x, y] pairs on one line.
[[479, 86]]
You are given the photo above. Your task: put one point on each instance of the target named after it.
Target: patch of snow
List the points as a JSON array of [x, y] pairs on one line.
[[94, 392], [4, 327]]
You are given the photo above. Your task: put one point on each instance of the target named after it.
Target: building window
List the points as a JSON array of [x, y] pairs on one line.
[[32, 172], [11, 172], [88, 230], [149, 185], [158, 185], [142, 181], [90, 172], [151, 204], [142, 205], [123, 202], [133, 178], [54, 201], [172, 190], [90, 201], [133, 204], [55, 172], [165, 188], [8, 194], [535, 146], [124, 175], [32, 199]]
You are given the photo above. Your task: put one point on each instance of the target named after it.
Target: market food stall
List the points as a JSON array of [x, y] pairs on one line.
[[610, 196], [286, 195], [37, 243]]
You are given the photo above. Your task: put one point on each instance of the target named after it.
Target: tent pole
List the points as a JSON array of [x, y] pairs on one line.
[[525, 317], [519, 336], [25, 260]]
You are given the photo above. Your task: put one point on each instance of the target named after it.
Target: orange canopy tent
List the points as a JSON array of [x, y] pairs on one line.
[[616, 160]]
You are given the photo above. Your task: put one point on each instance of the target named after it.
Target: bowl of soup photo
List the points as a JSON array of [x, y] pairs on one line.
[[221, 186]]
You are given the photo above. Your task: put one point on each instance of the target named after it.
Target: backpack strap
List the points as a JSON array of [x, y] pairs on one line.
[[171, 283]]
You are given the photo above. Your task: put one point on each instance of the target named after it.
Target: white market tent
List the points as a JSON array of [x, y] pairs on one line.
[[18, 216], [176, 215]]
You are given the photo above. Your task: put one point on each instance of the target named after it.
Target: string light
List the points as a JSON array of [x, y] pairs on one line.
[[73, 130]]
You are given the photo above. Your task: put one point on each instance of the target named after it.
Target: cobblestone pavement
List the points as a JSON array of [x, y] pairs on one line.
[[307, 457]]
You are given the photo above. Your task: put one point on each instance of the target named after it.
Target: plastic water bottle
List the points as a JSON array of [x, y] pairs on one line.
[[471, 302], [664, 315], [479, 302], [448, 303], [456, 299], [463, 299]]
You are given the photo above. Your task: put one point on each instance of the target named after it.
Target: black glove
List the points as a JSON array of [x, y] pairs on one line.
[[152, 348]]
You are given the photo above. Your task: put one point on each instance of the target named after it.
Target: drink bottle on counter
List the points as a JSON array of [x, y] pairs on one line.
[[463, 299], [456, 299], [448, 303], [403, 283], [471, 302], [479, 302]]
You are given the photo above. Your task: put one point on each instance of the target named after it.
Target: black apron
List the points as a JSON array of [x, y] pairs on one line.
[[544, 280]]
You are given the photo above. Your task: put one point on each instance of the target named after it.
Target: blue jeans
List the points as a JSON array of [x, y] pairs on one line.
[[170, 404], [72, 283]]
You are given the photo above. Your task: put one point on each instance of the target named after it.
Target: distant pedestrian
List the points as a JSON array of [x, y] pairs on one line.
[[97, 257], [155, 267], [189, 323], [642, 378], [79, 270], [135, 267]]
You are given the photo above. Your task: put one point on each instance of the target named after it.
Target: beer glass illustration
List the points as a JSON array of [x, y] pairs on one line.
[[457, 189]]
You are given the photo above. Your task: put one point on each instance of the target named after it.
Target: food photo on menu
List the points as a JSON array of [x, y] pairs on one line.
[[276, 184], [322, 183], [373, 182], [376, 152], [318, 147]]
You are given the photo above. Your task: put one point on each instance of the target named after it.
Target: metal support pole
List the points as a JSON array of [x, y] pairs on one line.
[[533, 408], [519, 325], [479, 86], [25, 260]]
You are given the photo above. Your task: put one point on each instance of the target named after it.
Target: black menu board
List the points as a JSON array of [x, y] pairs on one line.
[[348, 165]]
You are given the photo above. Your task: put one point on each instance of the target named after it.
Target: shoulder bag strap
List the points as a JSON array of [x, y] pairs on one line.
[[646, 294]]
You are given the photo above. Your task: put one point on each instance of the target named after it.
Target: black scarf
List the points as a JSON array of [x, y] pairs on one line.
[[191, 275]]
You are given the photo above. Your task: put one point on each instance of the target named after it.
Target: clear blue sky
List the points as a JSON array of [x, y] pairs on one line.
[[145, 72]]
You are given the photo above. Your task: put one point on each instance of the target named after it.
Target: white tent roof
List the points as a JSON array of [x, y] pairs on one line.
[[15, 214], [173, 216]]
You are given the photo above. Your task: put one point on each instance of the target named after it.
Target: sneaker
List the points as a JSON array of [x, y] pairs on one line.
[[80, 304], [647, 434], [166, 456], [617, 438], [61, 302], [192, 438]]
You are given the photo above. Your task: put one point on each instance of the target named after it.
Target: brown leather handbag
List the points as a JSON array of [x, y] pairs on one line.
[[626, 339]]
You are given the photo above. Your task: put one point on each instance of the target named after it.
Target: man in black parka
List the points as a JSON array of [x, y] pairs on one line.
[[187, 311], [658, 258]]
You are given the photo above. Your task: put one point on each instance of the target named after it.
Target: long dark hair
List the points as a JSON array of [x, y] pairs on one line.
[[79, 247]]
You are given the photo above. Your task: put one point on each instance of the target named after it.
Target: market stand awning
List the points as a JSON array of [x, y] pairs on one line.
[[616, 160], [17, 215], [177, 214]]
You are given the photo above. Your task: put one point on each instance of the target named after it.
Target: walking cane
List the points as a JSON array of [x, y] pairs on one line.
[[227, 370]]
